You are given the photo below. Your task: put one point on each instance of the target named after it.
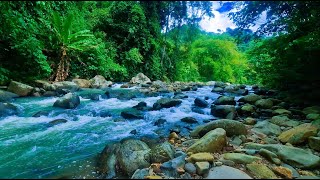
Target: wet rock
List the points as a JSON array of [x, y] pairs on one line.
[[41, 113], [140, 106], [180, 96], [219, 84], [140, 173], [294, 156], [7, 109], [6, 96], [313, 116], [284, 121], [198, 110], [316, 123], [250, 121], [251, 98], [298, 134], [166, 103], [225, 100], [311, 110], [49, 93], [169, 168], [283, 172], [57, 121], [240, 158], [266, 128], [217, 90], [261, 171], [132, 114], [133, 154], [107, 160], [236, 141], [202, 167], [270, 156], [159, 122], [68, 85], [200, 157], [231, 127], [133, 132], [213, 141], [222, 110], [200, 102], [226, 172], [68, 101], [281, 112], [247, 109], [242, 92], [189, 120], [100, 82], [295, 173], [140, 78], [83, 83], [162, 153], [314, 143], [190, 168], [20, 88], [264, 103]]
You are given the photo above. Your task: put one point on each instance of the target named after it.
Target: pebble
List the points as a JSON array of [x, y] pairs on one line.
[[218, 163], [190, 168]]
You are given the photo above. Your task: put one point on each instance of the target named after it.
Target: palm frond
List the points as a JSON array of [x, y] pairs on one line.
[[56, 22], [67, 28]]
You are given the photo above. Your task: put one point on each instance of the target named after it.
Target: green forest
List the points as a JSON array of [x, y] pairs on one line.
[[61, 40]]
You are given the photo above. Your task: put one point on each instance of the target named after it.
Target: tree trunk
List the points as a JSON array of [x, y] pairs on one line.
[[63, 67]]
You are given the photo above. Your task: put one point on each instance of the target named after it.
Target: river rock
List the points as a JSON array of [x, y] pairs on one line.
[[316, 123], [49, 93], [166, 103], [298, 134], [225, 100], [159, 122], [57, 121], [6, 96], [140, 78], [226, 172], [41, 113], [283, 172], [261, 171], [140, 173], [162, 153], [68, 101], [240, 158], [222, 111], [250, 121], [107, 160], [20, 88], [294, 156], [231, 127], [200, 157], [132, 114], [251, 98], [202, 167], [313, 116], [71, 86], [264, 103], [100, 82], [217, 90], [180, 96], [266, 128], [7, 109], [270, 156], [170, 167], [83, 83], [190, 120], [314, 143], [311, 110], [247, 109], [219, 84], [200, 102], [284, 121], [281, 112], [190, 168], [132, 155], [213, 141]]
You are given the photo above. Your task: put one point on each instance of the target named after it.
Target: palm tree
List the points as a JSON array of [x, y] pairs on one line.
[[67, 41]]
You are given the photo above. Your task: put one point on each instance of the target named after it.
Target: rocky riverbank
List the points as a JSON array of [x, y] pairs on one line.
[[259, 135]]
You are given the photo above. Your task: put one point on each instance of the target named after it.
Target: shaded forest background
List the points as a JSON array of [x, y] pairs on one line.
[[61, 40]]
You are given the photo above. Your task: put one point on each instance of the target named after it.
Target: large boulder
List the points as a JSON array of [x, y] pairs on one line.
[[200, 102], [226, 172], [83, 83], [107, 160], [166, 103], [140, 78], [45, 85], [231, 127], [264, 103], [6, 96], [100, 82], [71, 86], [267, 128], [298, 134], [251, 98], [132, 155], [213, 142], [7, 109], [68, 101], [225, 100], [293, 156], [222, 111], [162, 153], [20, 88], [132, 113]]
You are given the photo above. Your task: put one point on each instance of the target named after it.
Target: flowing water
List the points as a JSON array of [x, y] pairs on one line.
[[32, 149]]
